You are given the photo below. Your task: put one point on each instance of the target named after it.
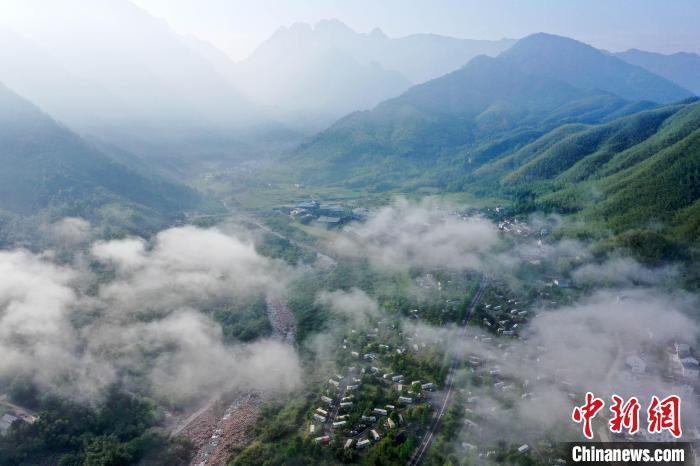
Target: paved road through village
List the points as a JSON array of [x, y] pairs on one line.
[[427, 440]]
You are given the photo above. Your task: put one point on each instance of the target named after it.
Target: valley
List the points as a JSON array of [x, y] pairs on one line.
[[391, 247]]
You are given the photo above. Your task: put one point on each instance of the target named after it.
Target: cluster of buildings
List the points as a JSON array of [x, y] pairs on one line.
[[328, 215], [503, 317], [345, 412], [332, 417], [517, 227], [493, 385]]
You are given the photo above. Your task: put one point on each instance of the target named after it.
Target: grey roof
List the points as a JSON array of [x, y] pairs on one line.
[[324, 219], [9, 418], [6, 421]]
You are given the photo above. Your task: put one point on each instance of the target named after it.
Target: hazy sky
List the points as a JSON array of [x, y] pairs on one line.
[[238, 26]]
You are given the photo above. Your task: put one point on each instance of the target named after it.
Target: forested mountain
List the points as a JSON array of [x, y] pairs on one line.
[[48, 170], [436, 132], [641, 171], [683, 68], [451, 123], [540, 123]]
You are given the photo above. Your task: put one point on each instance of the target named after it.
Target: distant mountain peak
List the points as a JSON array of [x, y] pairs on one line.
[[547, 36], [327, 69], [332, 25], [323, 27], [298, 28], [587, 67], [378, 33], [680, 67], [546, 42], [659, 54]]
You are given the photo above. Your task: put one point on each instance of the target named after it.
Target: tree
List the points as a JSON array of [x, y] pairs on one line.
[[107, 451]]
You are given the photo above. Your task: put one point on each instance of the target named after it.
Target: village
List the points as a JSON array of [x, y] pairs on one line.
[[386, 383], [328, 215]]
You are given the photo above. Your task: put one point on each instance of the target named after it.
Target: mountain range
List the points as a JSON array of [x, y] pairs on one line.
[[309, 75], [552, 122], [548, 120], [489, 106], [141, 87], [155, 91], [683, 68], [49, 172]]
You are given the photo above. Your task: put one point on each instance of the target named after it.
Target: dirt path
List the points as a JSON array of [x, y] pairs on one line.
[[218, 429], [282, 319], [180, 427], [221, 430]]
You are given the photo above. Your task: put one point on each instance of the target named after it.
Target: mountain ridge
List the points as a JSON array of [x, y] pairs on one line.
[[326, 70], [446, 120], [682, 68], [50, 171], [586, 67]]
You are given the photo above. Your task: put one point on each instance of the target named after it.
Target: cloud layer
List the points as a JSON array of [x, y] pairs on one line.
[[564, 353], [143, 321], [425, 235]]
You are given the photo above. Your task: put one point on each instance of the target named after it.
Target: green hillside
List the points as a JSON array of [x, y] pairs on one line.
[[641, 171], [551, 123], [51, 172], [438, 132], [449, 126]]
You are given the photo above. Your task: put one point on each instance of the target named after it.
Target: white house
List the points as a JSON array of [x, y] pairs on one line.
[[363, 443]]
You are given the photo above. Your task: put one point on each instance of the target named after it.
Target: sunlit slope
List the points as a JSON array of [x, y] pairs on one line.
[[451, 123], [642, 171]]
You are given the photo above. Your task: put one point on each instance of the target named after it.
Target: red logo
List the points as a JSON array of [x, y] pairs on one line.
[[587, 412], [624, 415], [662, 415], [665, 415]]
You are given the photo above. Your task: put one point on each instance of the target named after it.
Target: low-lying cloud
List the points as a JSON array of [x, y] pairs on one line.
[[405, 235], [186, 266], [623, 272], [355, 305], [142, 322], [566, 352]]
